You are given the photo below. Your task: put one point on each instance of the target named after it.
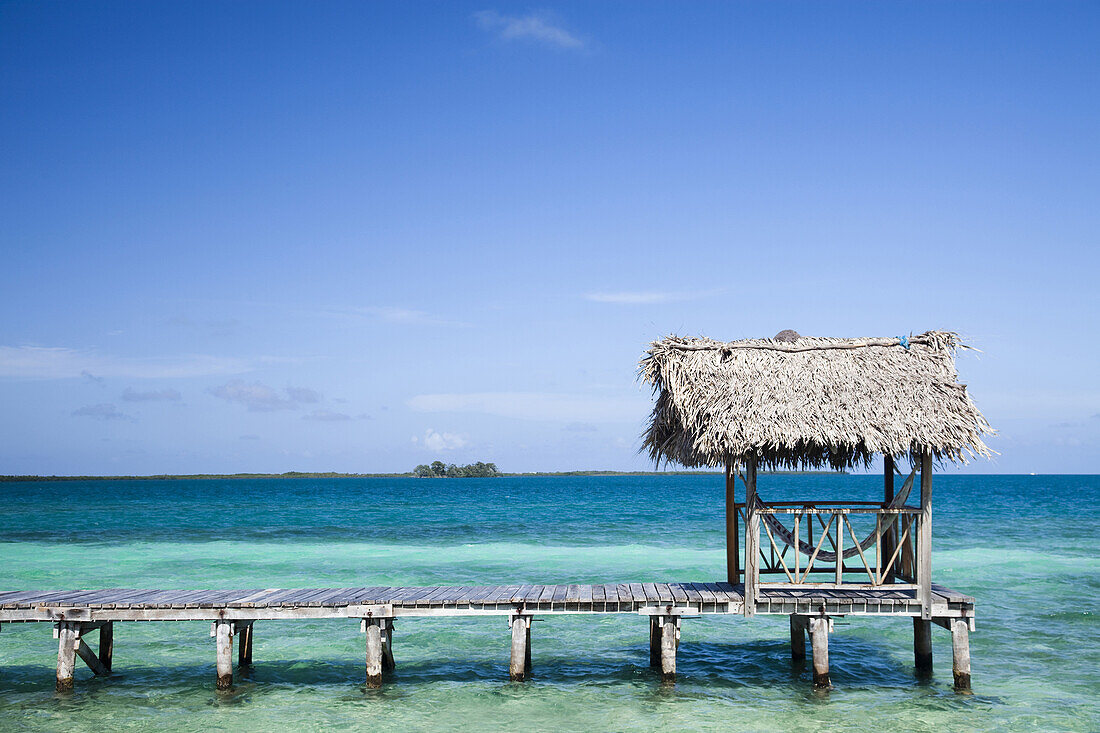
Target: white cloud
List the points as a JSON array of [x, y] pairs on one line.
[[259, 397], [440, 442], [395, 314], [648, 297], [105, 411], [326, 416], [527, 27], [159, 395], [537, 406], [58, 362]]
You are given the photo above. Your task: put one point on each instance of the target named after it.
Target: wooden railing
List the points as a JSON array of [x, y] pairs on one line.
[[821, 533]]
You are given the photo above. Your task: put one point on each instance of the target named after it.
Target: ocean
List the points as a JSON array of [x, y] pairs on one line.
[[1023, 546]]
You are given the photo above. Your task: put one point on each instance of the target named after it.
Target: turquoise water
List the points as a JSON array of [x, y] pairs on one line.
[[1022, 545]]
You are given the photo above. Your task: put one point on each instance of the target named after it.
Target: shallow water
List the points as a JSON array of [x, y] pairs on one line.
[[1022, 545]]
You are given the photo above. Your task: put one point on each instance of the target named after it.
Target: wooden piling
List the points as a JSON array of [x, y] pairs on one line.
[[819, 640], [224, 640], [798, 638], [886, 542], [922, 646], [519, 668], [655, 642], [924, 538], [733, 551], [752, 538], [68, 637], [107, 644], [373, 629], [388, 664], [960, 653], [670, 641], [244, 645]]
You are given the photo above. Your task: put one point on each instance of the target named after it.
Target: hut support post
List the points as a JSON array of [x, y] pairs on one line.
[[519, 668], [960, 653], [798, 638], [733, 560], [244, 645], [922, 646], [68, 636], [924, 537], [819, 639], [752, 538], [886, 541]]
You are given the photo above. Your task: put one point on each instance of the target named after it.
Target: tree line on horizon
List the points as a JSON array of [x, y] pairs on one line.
[[437, 469]]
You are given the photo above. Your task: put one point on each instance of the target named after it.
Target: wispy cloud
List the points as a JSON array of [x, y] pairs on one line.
[[648, 297], [259, 397], [104, 411], [58, 362], [570, 408], [439, 442], [395, 314], [158, 395], [326, 416], [531, 27]]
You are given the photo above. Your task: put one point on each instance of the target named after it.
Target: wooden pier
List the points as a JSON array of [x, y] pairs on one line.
[[75, 614]]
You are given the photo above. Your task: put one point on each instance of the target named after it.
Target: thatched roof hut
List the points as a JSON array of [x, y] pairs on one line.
[[800, 402]]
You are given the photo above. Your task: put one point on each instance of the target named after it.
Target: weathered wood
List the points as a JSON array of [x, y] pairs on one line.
[[819, 641], [960, 654], [886, 541], [798, 638], [519, 667], [670, 641], [752, 539], [733, 551], [922, 646], [373, 629], [223, 634], [244, 645], [85, 652], [655, 642], [924, 537], [388, 665], [67, 640], [107, 644]]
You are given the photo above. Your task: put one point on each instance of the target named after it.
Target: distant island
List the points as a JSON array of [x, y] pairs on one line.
[[437, 469], [412, 474]]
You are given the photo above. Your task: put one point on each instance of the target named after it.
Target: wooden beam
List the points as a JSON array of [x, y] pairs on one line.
[[733, 560], [244, 645], [223, 634], [752, 539], [68, 637], [107, 644], [798, 638], [887, 539], [85, 652], [388, 665], [922, 646], [654, 642], [924, 537]]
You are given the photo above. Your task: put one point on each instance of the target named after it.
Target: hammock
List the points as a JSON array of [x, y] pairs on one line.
[[785, 535]]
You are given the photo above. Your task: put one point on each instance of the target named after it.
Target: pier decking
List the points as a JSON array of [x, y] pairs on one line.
[[78, 612]]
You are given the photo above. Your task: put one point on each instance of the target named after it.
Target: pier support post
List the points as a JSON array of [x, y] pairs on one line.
[[388, 664], [922, 646], [798, 638], [374, 631], [107, 644], [654, 642], [68, 637], [960, 657], [244, 645], [223, 635], [819, 640], [670, 641], [519, 668]]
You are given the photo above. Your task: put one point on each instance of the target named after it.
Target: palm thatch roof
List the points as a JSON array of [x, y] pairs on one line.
[[798, 402]]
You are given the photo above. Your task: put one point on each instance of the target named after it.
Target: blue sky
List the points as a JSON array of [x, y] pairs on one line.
[[358, 237]]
